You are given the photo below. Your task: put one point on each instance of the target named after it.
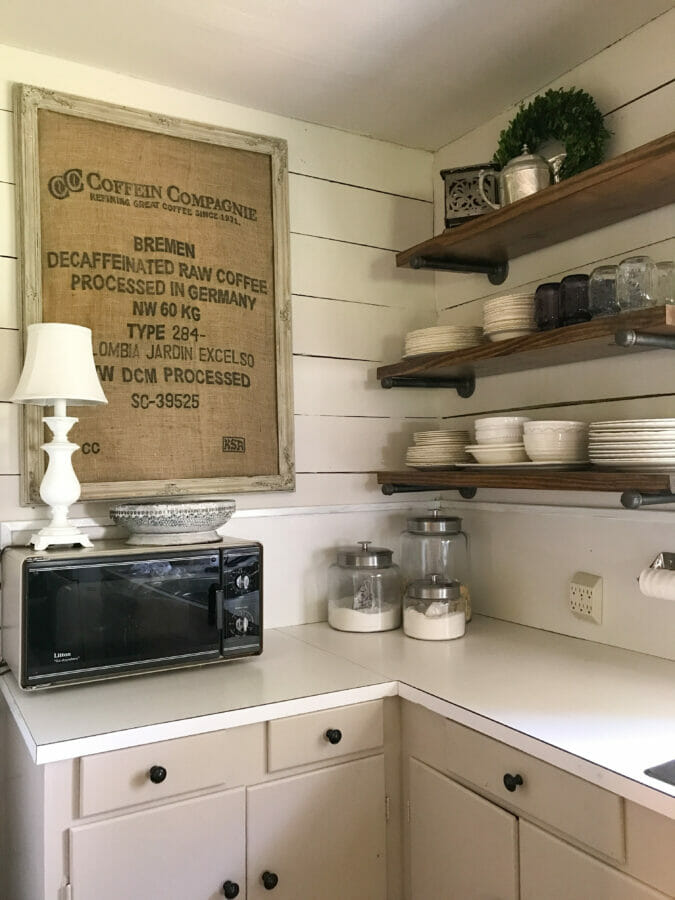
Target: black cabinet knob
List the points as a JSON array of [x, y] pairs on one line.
[[270, 880], [157, 774], [231, 889], [333, 735], [511, 782]]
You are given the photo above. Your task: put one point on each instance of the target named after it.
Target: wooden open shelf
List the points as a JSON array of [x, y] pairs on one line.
[[535, 479], [574, 343], [630, 184]]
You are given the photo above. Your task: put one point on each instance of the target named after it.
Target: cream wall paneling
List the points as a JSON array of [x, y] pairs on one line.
[[6, 155], [345, 387], [313, 149], [9, 308], [615, 545], [342, 271], [353, 330], [7, 230]]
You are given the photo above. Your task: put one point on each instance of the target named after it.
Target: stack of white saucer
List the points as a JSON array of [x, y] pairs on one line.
[[509, 316], [442, 339], [437, 449]]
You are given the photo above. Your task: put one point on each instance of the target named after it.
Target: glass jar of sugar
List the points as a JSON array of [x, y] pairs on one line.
[[436, 544], [433, 609], [364, 589]]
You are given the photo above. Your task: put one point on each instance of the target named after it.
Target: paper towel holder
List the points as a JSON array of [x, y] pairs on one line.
[[664, 561]]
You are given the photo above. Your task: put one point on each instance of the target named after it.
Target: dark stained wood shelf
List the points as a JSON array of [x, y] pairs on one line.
[[591, 479], [630, 184], [575, 343]]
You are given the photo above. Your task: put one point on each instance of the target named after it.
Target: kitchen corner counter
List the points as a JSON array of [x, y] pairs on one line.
[[598, 712]]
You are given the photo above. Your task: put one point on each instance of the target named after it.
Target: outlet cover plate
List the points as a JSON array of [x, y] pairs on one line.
[[585, 596]]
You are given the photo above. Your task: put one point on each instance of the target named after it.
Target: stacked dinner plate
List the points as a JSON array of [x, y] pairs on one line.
[[633, 443], [437, 449], [442, 339], [509, 316]]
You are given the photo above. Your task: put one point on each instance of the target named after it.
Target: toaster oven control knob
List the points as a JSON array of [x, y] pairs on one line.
[[270, 880], [157, 774], [243, 582], [241, 624], [231, 889]]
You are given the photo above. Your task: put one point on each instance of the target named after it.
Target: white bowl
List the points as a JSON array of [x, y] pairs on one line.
[[173, 521], [494, 421], [510, 435], [495, 455], [555, 426], [556, 444]]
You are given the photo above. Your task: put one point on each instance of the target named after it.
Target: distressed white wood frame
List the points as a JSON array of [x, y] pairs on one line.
[[27, 101]]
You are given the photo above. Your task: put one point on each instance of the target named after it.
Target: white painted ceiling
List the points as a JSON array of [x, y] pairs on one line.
[[416, 72]]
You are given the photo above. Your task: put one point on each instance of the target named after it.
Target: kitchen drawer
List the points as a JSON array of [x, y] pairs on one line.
[[219, 759], [299, 740], [591, 815]]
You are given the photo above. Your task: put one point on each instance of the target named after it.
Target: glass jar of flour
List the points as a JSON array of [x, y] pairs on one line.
[[364, 589], [433, 609], [435, 544]]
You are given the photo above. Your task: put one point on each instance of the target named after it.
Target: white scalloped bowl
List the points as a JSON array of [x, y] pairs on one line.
[[173, 521], [556, 441]]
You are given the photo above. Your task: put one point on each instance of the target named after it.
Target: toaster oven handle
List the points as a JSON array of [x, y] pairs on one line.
[[216, 603]]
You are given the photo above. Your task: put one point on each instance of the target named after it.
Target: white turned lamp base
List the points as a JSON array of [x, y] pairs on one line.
[[60, 488]]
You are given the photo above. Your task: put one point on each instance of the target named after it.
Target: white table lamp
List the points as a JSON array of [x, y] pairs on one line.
[[59, 369]]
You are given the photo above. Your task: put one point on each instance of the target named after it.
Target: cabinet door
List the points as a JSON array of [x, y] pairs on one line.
[[183, 850], [552, 870], [461, 846], [322, 834]]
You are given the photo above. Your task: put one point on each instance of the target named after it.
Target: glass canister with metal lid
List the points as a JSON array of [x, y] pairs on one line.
[[364, 589], [433, 609], [435, 544]]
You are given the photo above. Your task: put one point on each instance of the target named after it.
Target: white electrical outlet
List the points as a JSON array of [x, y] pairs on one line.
[[585, 596]]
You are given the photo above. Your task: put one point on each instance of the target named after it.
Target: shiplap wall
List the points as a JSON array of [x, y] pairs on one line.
[[353, 202], [524, 553]]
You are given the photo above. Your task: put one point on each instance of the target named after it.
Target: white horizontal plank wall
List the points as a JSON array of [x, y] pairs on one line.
[[527, 545], [354, 202]]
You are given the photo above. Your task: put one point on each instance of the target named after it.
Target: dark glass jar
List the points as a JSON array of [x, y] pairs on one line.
[[574, 300], [547, 306]]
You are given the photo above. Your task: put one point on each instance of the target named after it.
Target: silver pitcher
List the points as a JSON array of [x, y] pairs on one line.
[[520, 177]]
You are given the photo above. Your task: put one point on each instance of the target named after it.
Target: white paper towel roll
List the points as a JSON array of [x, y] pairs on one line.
[[658, 583]]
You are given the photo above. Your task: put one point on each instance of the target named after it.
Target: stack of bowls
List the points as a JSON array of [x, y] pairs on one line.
[[499, 440], [556, 441], [509, 316]]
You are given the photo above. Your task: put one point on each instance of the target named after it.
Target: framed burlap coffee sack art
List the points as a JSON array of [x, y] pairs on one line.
[[169, 239]]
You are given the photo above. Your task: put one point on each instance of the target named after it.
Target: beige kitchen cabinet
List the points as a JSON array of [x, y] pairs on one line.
[[173, 852], [322, 834], [551, 869], [462, 847]]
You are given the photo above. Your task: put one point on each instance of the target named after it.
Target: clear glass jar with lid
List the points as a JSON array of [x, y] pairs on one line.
[[364, 589], [433, 609], [435, 544]]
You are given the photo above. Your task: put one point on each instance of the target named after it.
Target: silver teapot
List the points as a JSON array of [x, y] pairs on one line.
[[520, 177]]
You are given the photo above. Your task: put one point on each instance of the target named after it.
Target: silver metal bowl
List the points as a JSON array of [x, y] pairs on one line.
[[173, 521]]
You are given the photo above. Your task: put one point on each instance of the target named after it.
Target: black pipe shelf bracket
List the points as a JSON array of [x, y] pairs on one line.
[[636, 499], [644, 339], [465, 386], [497, 272], [388, 489]]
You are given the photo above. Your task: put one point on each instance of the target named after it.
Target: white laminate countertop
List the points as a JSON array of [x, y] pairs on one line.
[[601, 713]]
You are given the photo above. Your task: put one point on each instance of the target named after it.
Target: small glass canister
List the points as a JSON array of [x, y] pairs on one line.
[[364, 589], [433, 609], [574, 299], [436, 544], [547, 306], [602, 292], [636, 283]]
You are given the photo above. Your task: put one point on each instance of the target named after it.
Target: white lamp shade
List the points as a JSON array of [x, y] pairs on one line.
[[59, 365]]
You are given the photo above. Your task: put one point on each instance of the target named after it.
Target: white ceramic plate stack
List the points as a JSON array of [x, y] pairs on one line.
[[437, 449], [509, 316], [633, 443], [442, 339]]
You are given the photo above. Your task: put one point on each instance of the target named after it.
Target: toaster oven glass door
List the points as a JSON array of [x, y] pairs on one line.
[[118, 614]]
